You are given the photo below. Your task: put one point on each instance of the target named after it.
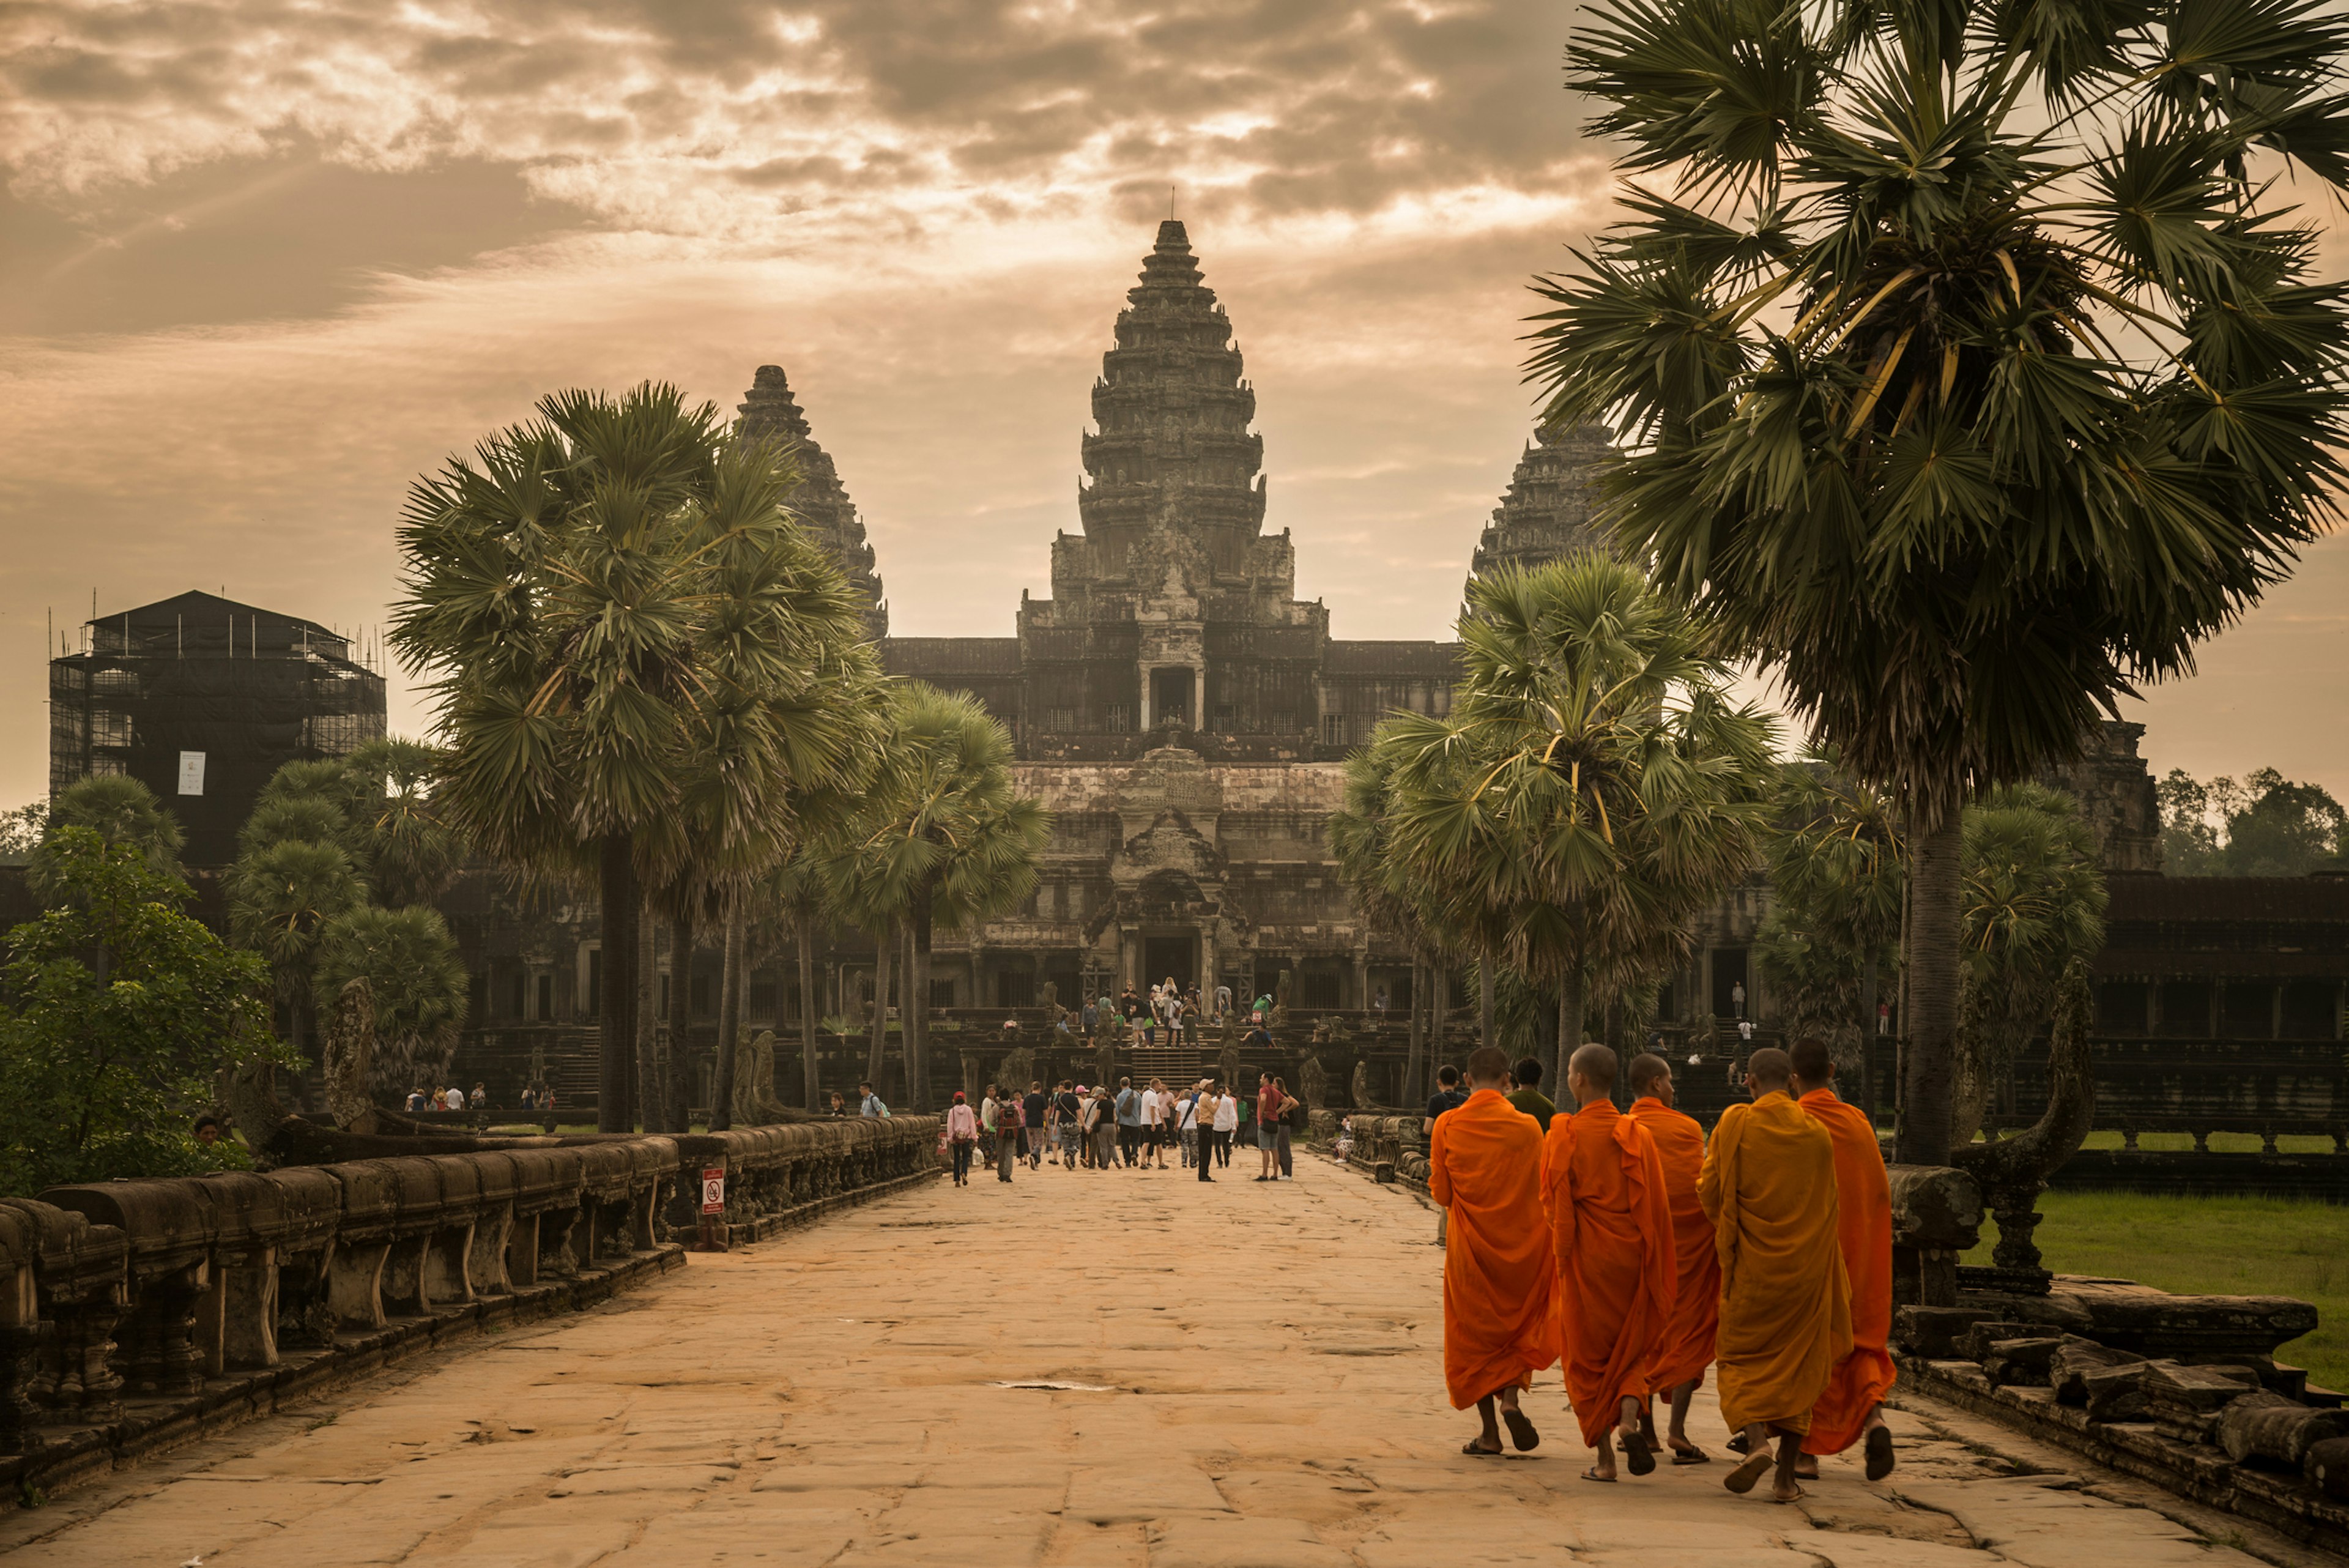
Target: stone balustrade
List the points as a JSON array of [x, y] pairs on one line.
[[139, 1314]]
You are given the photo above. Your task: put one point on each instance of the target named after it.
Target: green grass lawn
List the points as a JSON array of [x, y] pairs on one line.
[[2220, 1142], [2211, 1246]]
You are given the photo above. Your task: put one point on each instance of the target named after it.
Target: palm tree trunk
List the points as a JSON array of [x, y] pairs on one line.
[[884, 940], [808, 1078], [1414, 1073], [680, 1012], [1485, 1000], [1867, 1036], [917, 1014], [1935, 914], [1573, 1001], [730, 1019], [616, 1022], [1439, 1003], [648, 1053]]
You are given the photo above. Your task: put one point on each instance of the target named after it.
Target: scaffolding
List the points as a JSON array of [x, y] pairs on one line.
[[202, 698]]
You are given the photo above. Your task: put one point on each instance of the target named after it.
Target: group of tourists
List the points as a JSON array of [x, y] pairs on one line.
[[1171, 1013], [1125, 1128], [1633, 1251], [450, 1098]]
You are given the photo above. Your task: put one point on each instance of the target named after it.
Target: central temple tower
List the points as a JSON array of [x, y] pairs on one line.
[[1173, 619]]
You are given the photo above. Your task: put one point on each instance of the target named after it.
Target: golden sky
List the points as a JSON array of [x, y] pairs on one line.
[[261, 264]]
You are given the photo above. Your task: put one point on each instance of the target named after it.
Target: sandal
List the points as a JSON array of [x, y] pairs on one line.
[[1880, 1452], [1521, 1430], [1691, 1456], [1637, 1451], [1593, 1475], [1744, 1478], [1480, 1451]]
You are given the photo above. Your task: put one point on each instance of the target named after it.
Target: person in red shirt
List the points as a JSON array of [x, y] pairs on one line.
[[1269, 1102]]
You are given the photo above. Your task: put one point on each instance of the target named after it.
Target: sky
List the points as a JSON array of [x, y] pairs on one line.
[[262, 263]]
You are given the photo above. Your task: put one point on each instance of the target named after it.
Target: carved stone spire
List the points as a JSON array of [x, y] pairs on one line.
[[1545, 512], [821, 503], [1172, 413]]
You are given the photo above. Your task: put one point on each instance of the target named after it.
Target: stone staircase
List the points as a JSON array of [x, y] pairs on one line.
[[1179, 1065]]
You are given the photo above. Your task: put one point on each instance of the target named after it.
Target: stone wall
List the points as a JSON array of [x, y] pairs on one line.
[[140, 1315]]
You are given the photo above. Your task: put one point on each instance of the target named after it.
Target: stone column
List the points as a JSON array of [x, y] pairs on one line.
[[1362, 979]]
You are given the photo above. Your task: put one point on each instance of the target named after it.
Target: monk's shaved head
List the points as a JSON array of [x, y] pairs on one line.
[[1814, 1063], [1488, 1064], [1648, 1069], [1769, 1068], [1595, 1065]]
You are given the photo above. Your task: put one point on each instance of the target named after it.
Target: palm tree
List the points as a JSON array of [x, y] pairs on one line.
[[1591, 789], [416, 979], [2034, 907], [948, 840], [1386, 896], [1967, 370], [619, 617], [120, 810], [282, 896]]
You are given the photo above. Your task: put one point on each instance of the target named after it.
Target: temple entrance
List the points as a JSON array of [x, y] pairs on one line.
[[1171, 696], [1163, 956]]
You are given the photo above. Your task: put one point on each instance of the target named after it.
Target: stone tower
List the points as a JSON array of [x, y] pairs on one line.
[[822, 505], [1173, 619], [1545, 512]]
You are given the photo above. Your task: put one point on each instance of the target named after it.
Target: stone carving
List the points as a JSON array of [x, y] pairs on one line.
[[2013, 1171], [1105, 1060], [1361, 1086], [1051, 1001], [1017, 1069], [1312, 1083], [347, 1057], [1227, 1064], [1280, 1001]]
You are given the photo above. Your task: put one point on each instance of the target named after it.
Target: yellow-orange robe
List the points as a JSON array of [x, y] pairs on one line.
[[1612, 1228], [1500, 1321], [1686, 1348], [1768, 1185], [1864, 1236]]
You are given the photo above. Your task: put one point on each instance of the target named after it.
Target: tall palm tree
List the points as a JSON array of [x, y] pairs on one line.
[[948, 839], [282, 898], [1969, 369], [619, 616], [120, 810], [1592, 787], [1384, 892]]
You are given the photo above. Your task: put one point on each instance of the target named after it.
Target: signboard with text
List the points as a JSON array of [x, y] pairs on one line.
[[191, 772], [713, 1190]]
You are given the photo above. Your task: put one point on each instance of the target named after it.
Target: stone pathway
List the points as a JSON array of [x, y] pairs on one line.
[[1253, 1381]]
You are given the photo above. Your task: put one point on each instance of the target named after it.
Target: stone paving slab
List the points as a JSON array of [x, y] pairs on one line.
[[1258, 1385]]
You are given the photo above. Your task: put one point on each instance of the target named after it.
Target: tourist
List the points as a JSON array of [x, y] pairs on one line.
[[1686, 1349], [1526, 1094], [1261, 1013], [546, 1096], [1150, 1112], [1267, 1118], [1852, 1410], [1769, 1188], [1449, 1095], [455, 1099], [1006, 1136], [478, 1099], [1292, 1119], [991, 1120], [1257, 1038], [870, 1106], [1737, 999], [1162, 1132], [1105, 1129], [207, 1131], [1067, 1113], [528, 1098], [962, 1136], [839, 1104], [1185, 1122], [1227, 1125], [416, 1098], [1198, 1121], [1032, 1129], [1129, 1008], [1379, 1005], [1500, 1285], [1745, 1031], [1129, 1123], [1611, 1235], [1090, 1017]]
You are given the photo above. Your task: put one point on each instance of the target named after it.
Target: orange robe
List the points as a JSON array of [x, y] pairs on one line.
[[1769, 1186], [1500, 1323], [1864, 1235], [1611, 1226], [1686, 1348]]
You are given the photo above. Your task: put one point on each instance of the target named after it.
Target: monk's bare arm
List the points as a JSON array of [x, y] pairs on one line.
[[1439, 1171]]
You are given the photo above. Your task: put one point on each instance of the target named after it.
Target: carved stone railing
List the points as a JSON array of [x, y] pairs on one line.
[[137, 1315], [1390, 1148]]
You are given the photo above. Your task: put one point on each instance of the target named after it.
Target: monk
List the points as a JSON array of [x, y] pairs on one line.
[[1768, 1185], [1500, 1317], [1685, 1349], [1852, 1410], [1612, 1228]]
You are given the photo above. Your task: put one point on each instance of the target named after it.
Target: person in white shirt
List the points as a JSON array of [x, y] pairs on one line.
[[456, 1100], [1149, 1121], [1227, 1123], [1197, 1140]]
